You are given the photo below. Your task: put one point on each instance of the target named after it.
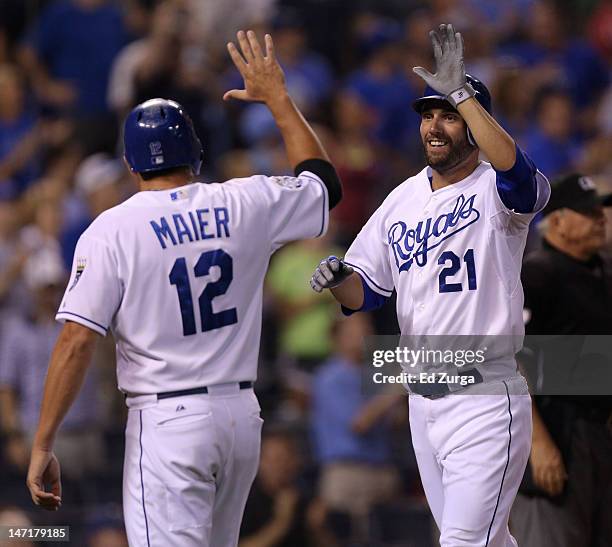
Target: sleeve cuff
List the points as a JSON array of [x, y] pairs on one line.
[[64, 316], [372, 300]]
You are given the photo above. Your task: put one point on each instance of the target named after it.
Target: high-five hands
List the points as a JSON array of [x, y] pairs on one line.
[[449, 79], [264, 80]]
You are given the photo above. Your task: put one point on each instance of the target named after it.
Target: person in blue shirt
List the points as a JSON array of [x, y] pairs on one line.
[[351, 431], [69, 52]]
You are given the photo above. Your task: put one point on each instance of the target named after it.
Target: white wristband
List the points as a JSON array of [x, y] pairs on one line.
[[461, 94]]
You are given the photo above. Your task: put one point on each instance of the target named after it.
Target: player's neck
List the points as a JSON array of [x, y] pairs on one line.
[[456, 174], [164, 183]]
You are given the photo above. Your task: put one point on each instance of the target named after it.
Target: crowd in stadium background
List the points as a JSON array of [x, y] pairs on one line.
[[70, 70]]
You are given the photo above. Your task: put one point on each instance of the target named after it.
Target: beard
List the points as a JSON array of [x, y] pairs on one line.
[[457, 152]]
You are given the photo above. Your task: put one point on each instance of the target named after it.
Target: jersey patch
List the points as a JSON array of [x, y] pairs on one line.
[[292, 183], [80, 267]]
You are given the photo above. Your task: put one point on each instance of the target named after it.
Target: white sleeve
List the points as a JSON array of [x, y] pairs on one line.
[[94, 291], [296, 207], [369, 255]]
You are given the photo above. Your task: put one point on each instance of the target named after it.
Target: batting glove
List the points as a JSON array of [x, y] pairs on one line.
[[330, 273], [449, 79]]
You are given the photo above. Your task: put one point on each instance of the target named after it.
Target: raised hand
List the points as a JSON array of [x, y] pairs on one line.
[[263, 77], [448, 53]]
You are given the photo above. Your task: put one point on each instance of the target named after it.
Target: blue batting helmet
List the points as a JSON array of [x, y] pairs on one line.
[[482, 95], [159, 134]]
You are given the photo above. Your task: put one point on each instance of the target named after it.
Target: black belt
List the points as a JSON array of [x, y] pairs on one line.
[[195, 391], [436, 390]]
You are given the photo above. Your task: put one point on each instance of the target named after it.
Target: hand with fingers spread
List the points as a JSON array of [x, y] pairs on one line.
[[330, 273], [45, 469], [449, 78], [264, 80]]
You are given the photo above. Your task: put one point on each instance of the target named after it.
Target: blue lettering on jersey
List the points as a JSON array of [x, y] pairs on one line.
[[179, 230], [413, 244], [221, 218], [162, 231], [203, 223], [181, 227]]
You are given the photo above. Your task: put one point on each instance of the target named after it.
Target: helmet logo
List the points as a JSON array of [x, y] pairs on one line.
[[157, 157]]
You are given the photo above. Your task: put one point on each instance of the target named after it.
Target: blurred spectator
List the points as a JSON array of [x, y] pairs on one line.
[[556, 56], [104, 527], [514, 95], [164, 63], [565, 497], [69, 52], [380, 80], [305, 318], [18, 140], [14, 517], [275, 513], [357, 161], [600, 29], [12, 259], [352, 433], [308, 75], [98, 188], [141, 61], [551, 142], [24, 356]]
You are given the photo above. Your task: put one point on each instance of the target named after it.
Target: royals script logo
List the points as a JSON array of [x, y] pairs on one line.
[[413, 244]]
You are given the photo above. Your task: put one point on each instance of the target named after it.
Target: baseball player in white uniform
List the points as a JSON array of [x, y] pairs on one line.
[[176, 273], [450, 241]]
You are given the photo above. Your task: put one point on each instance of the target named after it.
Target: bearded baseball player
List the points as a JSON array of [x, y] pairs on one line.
[[450, 241], [176, 273]]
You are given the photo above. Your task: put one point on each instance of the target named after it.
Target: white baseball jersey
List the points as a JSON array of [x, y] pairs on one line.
[[177, 276], [453, 255]]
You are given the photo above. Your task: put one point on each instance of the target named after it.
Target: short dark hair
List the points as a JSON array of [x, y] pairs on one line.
[[181, 169]]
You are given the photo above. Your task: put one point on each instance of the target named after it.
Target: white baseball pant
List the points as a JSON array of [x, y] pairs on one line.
[[189, 465], [472, 450]]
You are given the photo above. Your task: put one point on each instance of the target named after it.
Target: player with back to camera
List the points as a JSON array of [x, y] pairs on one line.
[[176, 272], [450, 241]]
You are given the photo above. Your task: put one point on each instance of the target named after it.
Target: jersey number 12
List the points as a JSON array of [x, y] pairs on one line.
[[180, 278]]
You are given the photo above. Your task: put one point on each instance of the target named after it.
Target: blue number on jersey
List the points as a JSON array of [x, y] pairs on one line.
[[455, 264], [179, 277]]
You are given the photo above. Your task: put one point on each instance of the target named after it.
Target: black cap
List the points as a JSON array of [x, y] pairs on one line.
[[576, 192]]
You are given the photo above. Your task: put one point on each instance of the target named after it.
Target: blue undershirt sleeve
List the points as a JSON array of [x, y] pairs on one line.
[[371, 299], [517, 187]]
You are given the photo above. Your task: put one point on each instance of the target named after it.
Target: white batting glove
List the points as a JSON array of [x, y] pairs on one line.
[[330, 273]]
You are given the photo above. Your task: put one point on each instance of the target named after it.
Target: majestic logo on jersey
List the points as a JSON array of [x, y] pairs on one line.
[[412, 244], [80, 267]]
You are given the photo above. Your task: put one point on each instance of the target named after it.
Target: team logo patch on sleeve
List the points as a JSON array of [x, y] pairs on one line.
[[80, 267], [292, 183]]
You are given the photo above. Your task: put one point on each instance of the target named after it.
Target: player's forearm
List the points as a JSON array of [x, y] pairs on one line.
[[300, 140], [492, 139], [350, 292], [69, 362], [540, 431]]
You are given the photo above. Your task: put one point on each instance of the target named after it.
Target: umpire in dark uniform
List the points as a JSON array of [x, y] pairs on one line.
[[565, 499]]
